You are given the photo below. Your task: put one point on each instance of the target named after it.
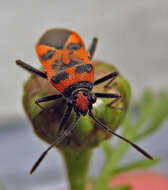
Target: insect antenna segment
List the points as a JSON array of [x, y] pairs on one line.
[[66, 133], [105, 128]]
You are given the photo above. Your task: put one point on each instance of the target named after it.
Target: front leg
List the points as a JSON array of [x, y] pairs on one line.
[[31, 69]]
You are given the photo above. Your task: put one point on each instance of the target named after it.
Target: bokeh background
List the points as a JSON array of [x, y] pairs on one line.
[[133, 35]]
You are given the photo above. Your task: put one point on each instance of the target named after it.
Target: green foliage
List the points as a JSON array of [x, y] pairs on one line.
[[150, 112], [2, 187]]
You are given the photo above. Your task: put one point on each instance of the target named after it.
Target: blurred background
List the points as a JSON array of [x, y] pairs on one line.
[[132, 36]]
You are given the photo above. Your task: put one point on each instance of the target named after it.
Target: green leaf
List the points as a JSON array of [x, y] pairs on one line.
[[135, 165], [2, 187], [156, 117]]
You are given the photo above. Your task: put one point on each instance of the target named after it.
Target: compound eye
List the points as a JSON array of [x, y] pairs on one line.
[[93, 98]]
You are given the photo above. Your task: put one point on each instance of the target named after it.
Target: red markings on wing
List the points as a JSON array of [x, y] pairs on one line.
[[65, 59], [42, 49], [82, 102], [80, 53]]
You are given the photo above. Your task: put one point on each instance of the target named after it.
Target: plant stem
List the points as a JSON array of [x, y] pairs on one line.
[[77, 163]]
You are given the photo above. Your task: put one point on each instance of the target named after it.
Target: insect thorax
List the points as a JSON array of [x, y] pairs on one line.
[[76, 87]]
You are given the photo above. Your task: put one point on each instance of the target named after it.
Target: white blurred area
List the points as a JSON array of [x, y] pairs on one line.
[[133, 35]]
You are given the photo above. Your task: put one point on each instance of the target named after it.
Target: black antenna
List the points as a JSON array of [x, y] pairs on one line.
[[124, 139], [57, 141]]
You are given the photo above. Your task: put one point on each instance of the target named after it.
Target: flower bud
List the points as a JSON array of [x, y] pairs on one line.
[[87, 133]]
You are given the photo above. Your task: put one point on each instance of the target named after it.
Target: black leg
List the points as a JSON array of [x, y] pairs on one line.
[[66, 133], [109, 83], [105, 95], [112, 102], [46, 99], [31, 69], [92, 48], [111, 76]]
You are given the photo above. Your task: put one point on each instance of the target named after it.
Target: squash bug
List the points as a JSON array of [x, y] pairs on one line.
[[69, 68]]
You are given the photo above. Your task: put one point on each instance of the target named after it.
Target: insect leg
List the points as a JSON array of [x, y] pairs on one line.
[[107, 95], [67, 132], [46, 99], [111, 76], [31, 69], [112, 95], [92, 47]]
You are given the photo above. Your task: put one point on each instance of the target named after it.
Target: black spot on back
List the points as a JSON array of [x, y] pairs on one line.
[[74, 46], [84, 68], [48, 55], [59, 65], [55, 38], [54, 66], [71, 64], [57, 77]]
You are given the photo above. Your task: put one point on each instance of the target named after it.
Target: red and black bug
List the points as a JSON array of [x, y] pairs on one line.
[[69, 68]]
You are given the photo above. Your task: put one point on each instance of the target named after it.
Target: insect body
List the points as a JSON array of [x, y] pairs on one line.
[[67, 64], [68, 67]]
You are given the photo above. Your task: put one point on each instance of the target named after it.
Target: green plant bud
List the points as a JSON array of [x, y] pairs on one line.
[[87, 133]]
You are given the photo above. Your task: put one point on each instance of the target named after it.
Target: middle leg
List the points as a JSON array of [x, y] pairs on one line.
[[110, 95]]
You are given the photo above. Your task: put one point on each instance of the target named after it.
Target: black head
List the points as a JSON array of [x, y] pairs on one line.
[[82, 101]]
